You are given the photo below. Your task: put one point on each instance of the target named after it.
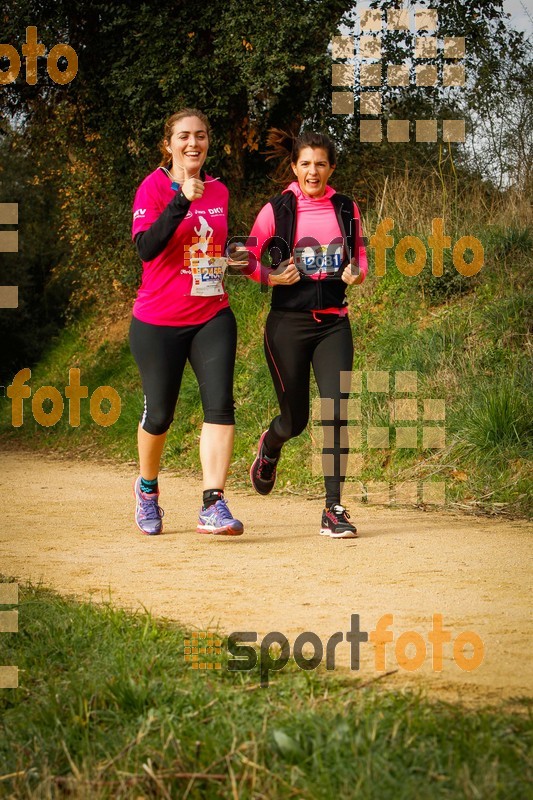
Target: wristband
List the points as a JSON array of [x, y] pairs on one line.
[[181, 199]]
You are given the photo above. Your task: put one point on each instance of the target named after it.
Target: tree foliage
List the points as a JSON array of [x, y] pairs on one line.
[[84, 147]]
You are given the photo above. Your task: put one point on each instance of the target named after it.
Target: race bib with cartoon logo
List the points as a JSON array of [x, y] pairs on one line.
[[207, 275]]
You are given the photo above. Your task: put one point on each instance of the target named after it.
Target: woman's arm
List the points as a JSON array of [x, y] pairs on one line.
[[151, 242], [359, 258], [262, 230], [359, 244], [152, 229]]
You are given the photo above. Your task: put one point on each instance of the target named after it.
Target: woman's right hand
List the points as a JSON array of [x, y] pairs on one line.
[[193, 189], [285, 275]]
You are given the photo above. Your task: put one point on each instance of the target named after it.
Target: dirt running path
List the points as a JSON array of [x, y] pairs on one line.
[[63, 528]]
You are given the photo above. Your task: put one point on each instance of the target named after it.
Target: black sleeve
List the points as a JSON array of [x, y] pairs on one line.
[[152, 242]]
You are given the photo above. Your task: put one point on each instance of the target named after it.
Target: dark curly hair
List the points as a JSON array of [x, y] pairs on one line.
[[287, 148]]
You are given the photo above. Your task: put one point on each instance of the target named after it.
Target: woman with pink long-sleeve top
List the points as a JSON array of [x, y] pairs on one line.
[[313, 238]]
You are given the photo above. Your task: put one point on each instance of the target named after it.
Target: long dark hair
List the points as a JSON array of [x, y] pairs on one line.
[[287, 148]]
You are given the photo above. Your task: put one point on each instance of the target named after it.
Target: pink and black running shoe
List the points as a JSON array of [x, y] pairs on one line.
[[335, 523], [263, 470]]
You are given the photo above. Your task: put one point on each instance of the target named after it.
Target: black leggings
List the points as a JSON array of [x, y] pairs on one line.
[[294, 341], [161, 352]]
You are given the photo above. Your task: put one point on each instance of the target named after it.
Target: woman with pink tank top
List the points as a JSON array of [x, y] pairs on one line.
[[182, 314], [313, 237]]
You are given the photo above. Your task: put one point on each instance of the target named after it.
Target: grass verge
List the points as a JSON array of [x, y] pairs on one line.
[[108, 708]]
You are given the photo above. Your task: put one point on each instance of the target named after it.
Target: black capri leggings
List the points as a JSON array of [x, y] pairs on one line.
[[294, 341], [161, 352]]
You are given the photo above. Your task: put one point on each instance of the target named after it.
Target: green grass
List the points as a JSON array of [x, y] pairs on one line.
[[512, 240], [499, 423], [107, 707]]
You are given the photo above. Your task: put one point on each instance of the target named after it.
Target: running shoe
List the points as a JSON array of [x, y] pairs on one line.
[[148, 514], [219, 520], [263, 470], [335, 523]]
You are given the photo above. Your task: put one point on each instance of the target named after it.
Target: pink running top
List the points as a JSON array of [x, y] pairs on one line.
[[315, 217], [164, 296]]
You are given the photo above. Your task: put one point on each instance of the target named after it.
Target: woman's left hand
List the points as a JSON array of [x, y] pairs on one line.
[[238, 255], [351, 274]]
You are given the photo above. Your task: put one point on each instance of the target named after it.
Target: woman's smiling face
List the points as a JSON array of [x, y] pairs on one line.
[[188, 144], [313, 170]]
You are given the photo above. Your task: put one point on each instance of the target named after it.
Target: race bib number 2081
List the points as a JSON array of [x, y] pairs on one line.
[[322, 259]]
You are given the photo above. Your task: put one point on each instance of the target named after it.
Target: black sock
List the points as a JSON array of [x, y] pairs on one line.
[[330, 503], [211, 496], [271, 454], [149, 486]]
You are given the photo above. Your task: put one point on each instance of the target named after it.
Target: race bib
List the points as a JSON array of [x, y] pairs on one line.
[[207, 275], [321, 259]]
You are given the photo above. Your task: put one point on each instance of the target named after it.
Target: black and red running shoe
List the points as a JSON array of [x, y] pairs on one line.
[[263, 470], [335, 523]]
